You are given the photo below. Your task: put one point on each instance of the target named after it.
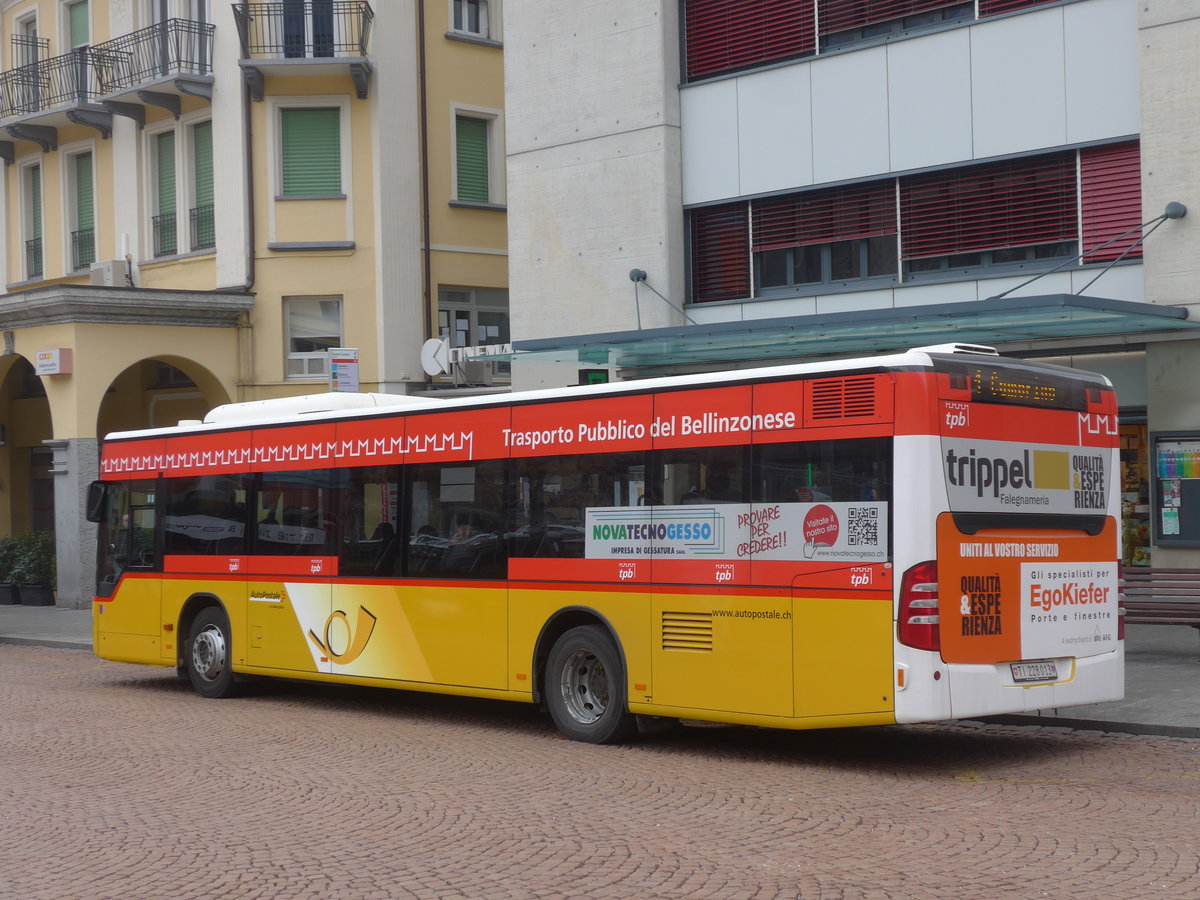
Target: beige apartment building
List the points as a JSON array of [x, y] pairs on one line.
[[200, 199]]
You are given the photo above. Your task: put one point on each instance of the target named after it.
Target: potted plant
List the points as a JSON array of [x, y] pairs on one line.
[[34, 570], [8, 558]]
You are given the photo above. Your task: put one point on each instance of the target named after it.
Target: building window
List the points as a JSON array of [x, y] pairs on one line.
[[720, 253], [845, 22], [201, 224], [1110, 187], [825, 237], [311, 152], [721, 36], [77, 24], [307, 28], [313, 327], [995, 7], [473, 317], [83, 232], [163, 223], [471, 17], [472, 183], [32, 183], [952, 219], [965, 222]]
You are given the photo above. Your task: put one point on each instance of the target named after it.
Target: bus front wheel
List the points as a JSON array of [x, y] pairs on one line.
[[585, 687], [208, 655]]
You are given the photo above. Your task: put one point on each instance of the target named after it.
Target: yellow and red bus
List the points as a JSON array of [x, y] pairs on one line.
[[905, 538]]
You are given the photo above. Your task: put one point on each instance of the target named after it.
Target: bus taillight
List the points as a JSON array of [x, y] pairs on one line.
[[918, 622]]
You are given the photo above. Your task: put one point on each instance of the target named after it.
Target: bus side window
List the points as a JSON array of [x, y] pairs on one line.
[[369, 515], [456, 516], [552, 496], [845, 471], [297, 513]]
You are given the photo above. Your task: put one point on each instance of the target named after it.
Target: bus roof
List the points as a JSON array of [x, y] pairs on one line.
[[336, 406]]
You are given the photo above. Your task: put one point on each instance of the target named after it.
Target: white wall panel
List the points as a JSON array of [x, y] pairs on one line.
[[771, 309], [850, 115], [838, 303], [1102, 69], [710, 141], [928, 294], [775, 130], [1018, 84], [1058, 283], [1118, 283], [929, 100]]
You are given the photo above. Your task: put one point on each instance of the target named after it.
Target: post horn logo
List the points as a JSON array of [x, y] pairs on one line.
[[359, 635]]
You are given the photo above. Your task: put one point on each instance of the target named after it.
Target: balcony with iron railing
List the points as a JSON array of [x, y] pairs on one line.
[[33, 258], [305, 37], [156, 65], [166, 240], [88, 85], [39, 97], [83, 248], [203, 227]]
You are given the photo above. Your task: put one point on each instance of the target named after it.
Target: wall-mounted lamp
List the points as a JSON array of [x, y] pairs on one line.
[[638, 276], [1173, 210]]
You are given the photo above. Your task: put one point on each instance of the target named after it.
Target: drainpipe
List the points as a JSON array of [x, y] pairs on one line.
[[427, 272], [249, 140]]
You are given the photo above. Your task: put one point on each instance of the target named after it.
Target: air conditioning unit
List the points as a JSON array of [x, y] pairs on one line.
[[110, 272], [473, 373]]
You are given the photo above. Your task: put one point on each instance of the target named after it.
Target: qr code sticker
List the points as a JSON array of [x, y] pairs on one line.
[[862, 526]]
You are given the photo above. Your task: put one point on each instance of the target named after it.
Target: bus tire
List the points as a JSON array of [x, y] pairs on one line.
[[585, 687], [207, 658]]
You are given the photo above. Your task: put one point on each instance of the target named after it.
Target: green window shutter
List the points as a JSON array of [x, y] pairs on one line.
[[166, 172], [312, 152], [78, 14], [202, 154], [472, 158], [85, 215], [35, 202]]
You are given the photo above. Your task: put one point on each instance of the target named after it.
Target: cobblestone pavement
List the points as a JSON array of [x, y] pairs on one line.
[[117, 782]]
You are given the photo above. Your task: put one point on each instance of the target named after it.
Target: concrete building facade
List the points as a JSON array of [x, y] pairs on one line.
[[838, 178]]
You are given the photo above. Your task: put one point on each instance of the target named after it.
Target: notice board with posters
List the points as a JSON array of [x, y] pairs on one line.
[[1175, 499]]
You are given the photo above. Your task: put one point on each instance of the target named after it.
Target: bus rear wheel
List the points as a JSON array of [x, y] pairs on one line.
[[585, 687], [207, 657]]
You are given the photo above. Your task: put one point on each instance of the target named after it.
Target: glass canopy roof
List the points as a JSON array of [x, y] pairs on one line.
[[995, 321]]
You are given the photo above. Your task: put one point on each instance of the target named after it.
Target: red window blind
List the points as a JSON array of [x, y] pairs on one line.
[[1019, 203], [820, 217], [842, 15], [1110, 184], [995, 7], [720, 253], [731, 34]]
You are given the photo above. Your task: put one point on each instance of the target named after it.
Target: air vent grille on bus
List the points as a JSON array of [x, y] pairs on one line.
[[687, 631], [841, 398]]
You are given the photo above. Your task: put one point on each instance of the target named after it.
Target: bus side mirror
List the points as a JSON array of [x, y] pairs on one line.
[[96, 497]]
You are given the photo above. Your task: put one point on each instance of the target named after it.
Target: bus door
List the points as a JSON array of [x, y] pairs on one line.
[[289, 608], [820, 527], [128, 555]]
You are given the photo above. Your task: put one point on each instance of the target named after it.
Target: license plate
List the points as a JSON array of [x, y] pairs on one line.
[[1034, 671]]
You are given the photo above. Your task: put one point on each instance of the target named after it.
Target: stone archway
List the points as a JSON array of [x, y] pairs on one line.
[[158, 392], [26, 483]]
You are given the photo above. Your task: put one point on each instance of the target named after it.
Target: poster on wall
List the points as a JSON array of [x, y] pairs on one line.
[[1176, 502]]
